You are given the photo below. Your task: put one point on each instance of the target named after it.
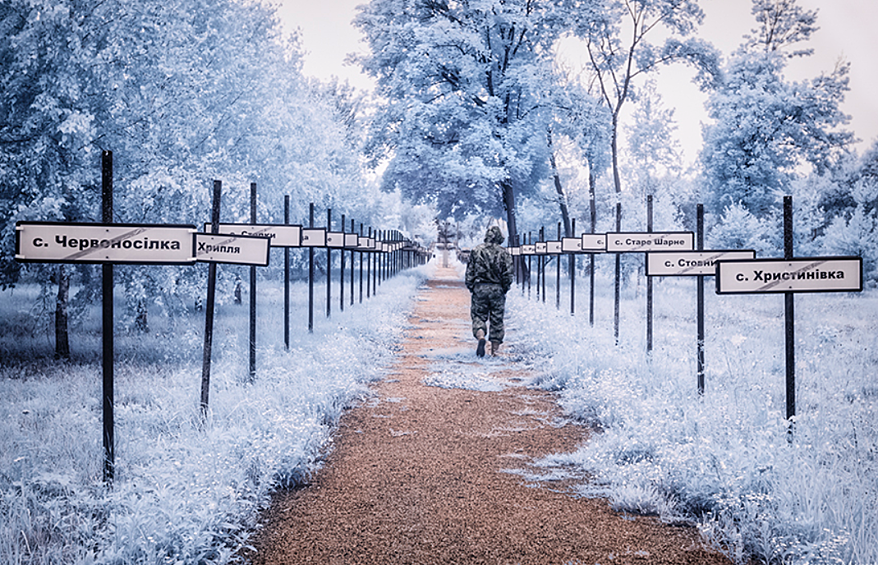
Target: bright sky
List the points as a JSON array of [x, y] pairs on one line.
[[848, 29]]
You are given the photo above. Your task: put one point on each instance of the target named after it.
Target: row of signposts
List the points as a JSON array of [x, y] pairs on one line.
[[682, 254], [109, 244]]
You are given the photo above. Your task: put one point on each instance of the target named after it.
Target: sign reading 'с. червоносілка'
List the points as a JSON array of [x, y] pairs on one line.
[[55, 242]]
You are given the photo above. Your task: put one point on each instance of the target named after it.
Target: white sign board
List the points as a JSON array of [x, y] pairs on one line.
[[571, 245], [553, 247], [104, 243], [351, 240], [313, 237], [540, 248], [237, 249], [514, 251], [817, 274], [594, 242], [529, 249], [279, 235], [647, 242], [690, 263], [335, 239]]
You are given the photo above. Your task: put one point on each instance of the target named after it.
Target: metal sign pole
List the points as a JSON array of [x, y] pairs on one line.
[[107, 324], [287, 278], [789, 314], [328, 266], [353, 230], [369, 270], [252, 291], [311, 275], [341, 272], [699, 228], [558, 275], [361, 266], [648, 280], [617, 287], [211, 302], [572, 272]]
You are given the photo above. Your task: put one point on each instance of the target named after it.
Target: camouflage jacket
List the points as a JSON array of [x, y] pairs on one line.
[[489, 263]]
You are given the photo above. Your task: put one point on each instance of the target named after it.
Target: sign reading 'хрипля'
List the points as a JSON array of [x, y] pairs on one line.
[[104, 243], [818, 274]]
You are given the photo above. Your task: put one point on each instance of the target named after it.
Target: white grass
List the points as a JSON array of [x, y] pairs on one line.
[[183, 493], [725, 461]]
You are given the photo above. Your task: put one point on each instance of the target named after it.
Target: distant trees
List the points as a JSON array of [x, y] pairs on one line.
[[182, 91]]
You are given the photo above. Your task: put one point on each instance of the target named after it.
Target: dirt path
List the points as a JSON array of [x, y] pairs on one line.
[[417, 474]]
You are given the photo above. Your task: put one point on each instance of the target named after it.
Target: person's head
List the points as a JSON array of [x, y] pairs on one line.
[[494, 235]]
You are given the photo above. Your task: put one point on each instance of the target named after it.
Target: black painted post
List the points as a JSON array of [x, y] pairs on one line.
[[699, 231], [369, 269], [353, 230], [377, 262], [341, 271], [361, 267], [572, 268], [107, 326], [541, 269], [287, 278], [311, 274], [789, 314], [529, 264], [211, 305], [252, 291], [328, 266], [558, 274], [618, 284], [648, 279], [592, 211]]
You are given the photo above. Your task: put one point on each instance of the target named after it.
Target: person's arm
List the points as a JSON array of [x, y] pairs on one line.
[[470, 277], [508, 271]]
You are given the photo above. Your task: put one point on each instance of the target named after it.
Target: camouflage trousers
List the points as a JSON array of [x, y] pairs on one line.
[[487, 308]]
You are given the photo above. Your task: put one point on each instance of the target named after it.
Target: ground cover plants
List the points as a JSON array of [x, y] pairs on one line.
[[726, 461], [184, 492]]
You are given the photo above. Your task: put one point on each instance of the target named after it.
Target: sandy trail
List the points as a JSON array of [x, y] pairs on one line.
[[417, 474]]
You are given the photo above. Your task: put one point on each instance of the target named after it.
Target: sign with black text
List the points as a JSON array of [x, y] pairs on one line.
[[335, 239], [529, 249], [690, 263], [53, 242], [235, 249], [571, 245], [313, 237], [817, 274], [594, 243], [647, 242], [279, 235]]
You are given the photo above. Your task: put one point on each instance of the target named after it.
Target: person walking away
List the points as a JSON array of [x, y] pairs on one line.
[[489, 276]]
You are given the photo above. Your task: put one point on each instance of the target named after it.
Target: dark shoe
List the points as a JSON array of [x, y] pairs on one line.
[[480, 350]]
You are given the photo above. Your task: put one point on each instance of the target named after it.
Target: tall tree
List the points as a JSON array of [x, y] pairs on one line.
[[466, 89], [767, 129], [617, 39]]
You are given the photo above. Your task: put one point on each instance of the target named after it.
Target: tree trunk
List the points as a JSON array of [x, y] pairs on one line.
[[562, 198], [509, 204], [141, 323], [62, 340]]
